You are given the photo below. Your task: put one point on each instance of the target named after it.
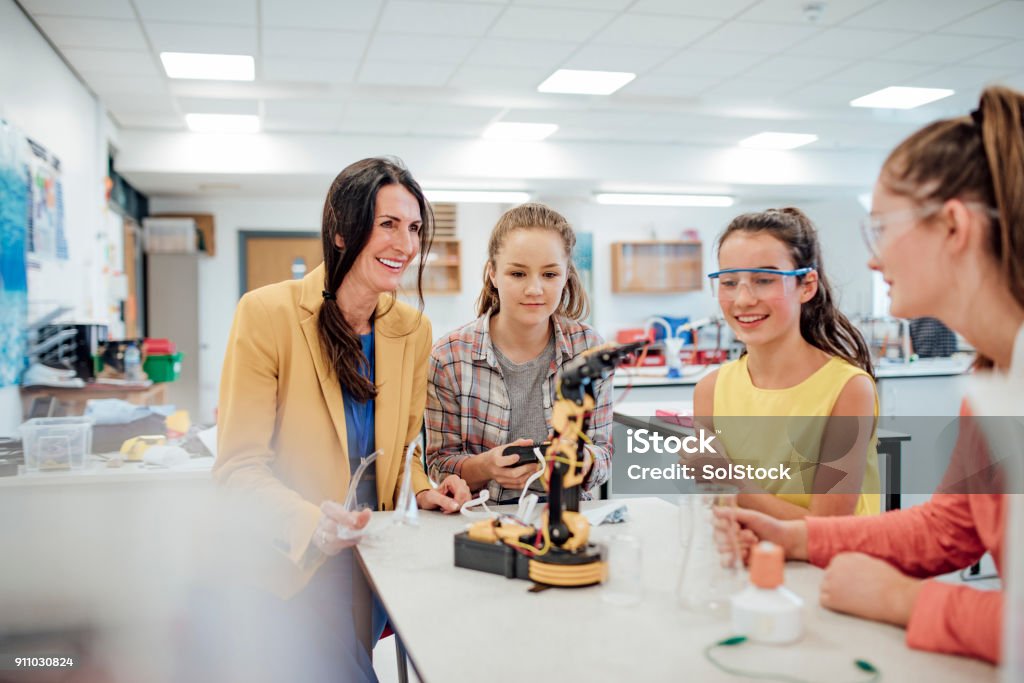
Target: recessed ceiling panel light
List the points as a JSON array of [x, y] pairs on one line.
[[577, 82], [898, 97], [508, 130], [632, 199], [772, 140], [223, 123], [208, 67], [477, 196]]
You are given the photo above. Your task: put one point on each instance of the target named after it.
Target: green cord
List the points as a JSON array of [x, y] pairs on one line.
[[861, 664]]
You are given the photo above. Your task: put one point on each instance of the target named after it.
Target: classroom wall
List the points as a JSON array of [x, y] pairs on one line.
[[43, 98], [844, 254]]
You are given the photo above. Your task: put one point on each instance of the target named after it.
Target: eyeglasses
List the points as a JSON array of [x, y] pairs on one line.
[[873, 227], [762, 283]]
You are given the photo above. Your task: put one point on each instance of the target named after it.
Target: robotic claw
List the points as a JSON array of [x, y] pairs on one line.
[[557, 552]]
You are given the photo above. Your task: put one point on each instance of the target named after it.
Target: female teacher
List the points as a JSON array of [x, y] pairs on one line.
[[319, 373]]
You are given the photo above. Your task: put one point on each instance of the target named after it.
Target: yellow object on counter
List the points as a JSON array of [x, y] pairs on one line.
[[134, 448], [179, 422]]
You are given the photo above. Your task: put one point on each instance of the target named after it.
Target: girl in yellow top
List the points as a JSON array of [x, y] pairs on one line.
[[804, 362]]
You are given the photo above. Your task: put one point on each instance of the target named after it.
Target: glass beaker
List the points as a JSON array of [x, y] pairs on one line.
[[712, 569]]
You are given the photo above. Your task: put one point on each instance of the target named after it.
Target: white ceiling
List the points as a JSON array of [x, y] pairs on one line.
[[708, 72]]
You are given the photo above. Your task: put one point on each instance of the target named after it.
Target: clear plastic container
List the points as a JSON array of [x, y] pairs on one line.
[[56, 443]]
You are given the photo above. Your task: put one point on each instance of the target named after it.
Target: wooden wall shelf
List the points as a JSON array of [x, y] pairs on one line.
[[657, 267]]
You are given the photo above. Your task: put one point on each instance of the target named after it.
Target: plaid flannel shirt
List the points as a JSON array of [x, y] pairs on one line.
[[468, 407]]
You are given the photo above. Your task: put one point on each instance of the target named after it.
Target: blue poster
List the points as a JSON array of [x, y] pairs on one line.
[[14, 216]]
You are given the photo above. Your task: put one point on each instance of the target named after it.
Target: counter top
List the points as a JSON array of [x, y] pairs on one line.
[[655, 376]]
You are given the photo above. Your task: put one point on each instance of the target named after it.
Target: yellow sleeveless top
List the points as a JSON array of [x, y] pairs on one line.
[[790, 442]]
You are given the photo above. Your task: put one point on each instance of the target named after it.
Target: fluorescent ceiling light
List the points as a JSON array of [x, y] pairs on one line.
[[477, 196], [664, 199], [209, 67], [772, 140], [507, 130], [897, 97], [223, 123], [577, 82]]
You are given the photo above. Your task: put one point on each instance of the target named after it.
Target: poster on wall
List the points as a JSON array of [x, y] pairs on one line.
[[14, 216], [583, 259], [46, 238]]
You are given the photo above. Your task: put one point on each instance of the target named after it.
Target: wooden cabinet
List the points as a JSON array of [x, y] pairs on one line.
[[653, 267], [442, 270]]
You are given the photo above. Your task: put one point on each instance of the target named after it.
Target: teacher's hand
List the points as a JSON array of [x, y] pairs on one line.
[[333, 516], [448, 497]]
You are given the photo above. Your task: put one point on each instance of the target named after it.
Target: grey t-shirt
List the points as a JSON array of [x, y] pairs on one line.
[[525, 385]]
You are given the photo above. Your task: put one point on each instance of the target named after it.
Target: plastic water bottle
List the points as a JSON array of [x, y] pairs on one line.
[[132, 364]]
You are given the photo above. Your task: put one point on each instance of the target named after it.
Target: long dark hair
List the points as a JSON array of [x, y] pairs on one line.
[[349, 212], [978, 157], [822, 324]]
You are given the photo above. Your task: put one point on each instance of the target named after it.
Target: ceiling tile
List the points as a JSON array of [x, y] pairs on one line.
[[378, 117], [915, 15], [618, 58], [238, 12], [497, 77], [306, 70], [120, 104], [699, 62], [297, 43], [349, 15], [719, 9], [1002, 20], [849, 43], [459, 114], [747, 91], [112, 84], [826, 95], [209, 105], [156, 120], [681, 86], [878, 74], [521, 53], [1011, 54], [437, 18], [609, 5], [745, 36], [971, 78], [107, 34], [124, 63], [300, 115], [791, 12], [415, 74], [941, 49], [99, 9], [400, 47], [538, 23], [217, 39], [796, 69], [653, 29]]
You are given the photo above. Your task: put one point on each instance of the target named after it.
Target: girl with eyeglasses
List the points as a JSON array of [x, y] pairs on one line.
[[806, 371], [949, 200]]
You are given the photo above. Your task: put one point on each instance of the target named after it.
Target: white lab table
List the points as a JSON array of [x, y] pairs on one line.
[[462, 625]]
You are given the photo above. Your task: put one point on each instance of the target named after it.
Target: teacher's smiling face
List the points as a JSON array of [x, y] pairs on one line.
[[393, 244]]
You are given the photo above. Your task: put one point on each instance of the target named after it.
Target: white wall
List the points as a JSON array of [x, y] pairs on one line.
[[41, 96], [836, 219]]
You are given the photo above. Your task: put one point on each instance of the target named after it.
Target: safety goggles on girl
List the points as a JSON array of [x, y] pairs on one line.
[[761, 283]]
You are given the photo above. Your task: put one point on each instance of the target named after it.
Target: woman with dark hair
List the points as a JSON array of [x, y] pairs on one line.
[[323, 371]]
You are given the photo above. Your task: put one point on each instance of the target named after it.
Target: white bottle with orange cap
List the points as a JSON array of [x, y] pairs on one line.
[[766, 611]]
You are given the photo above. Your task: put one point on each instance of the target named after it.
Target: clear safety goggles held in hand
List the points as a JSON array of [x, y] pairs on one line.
[[761, 283]]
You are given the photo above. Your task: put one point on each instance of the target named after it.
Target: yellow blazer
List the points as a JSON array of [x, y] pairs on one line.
[[281, 419]]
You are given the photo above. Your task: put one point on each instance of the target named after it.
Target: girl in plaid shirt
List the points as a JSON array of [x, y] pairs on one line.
[[492, 382]]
